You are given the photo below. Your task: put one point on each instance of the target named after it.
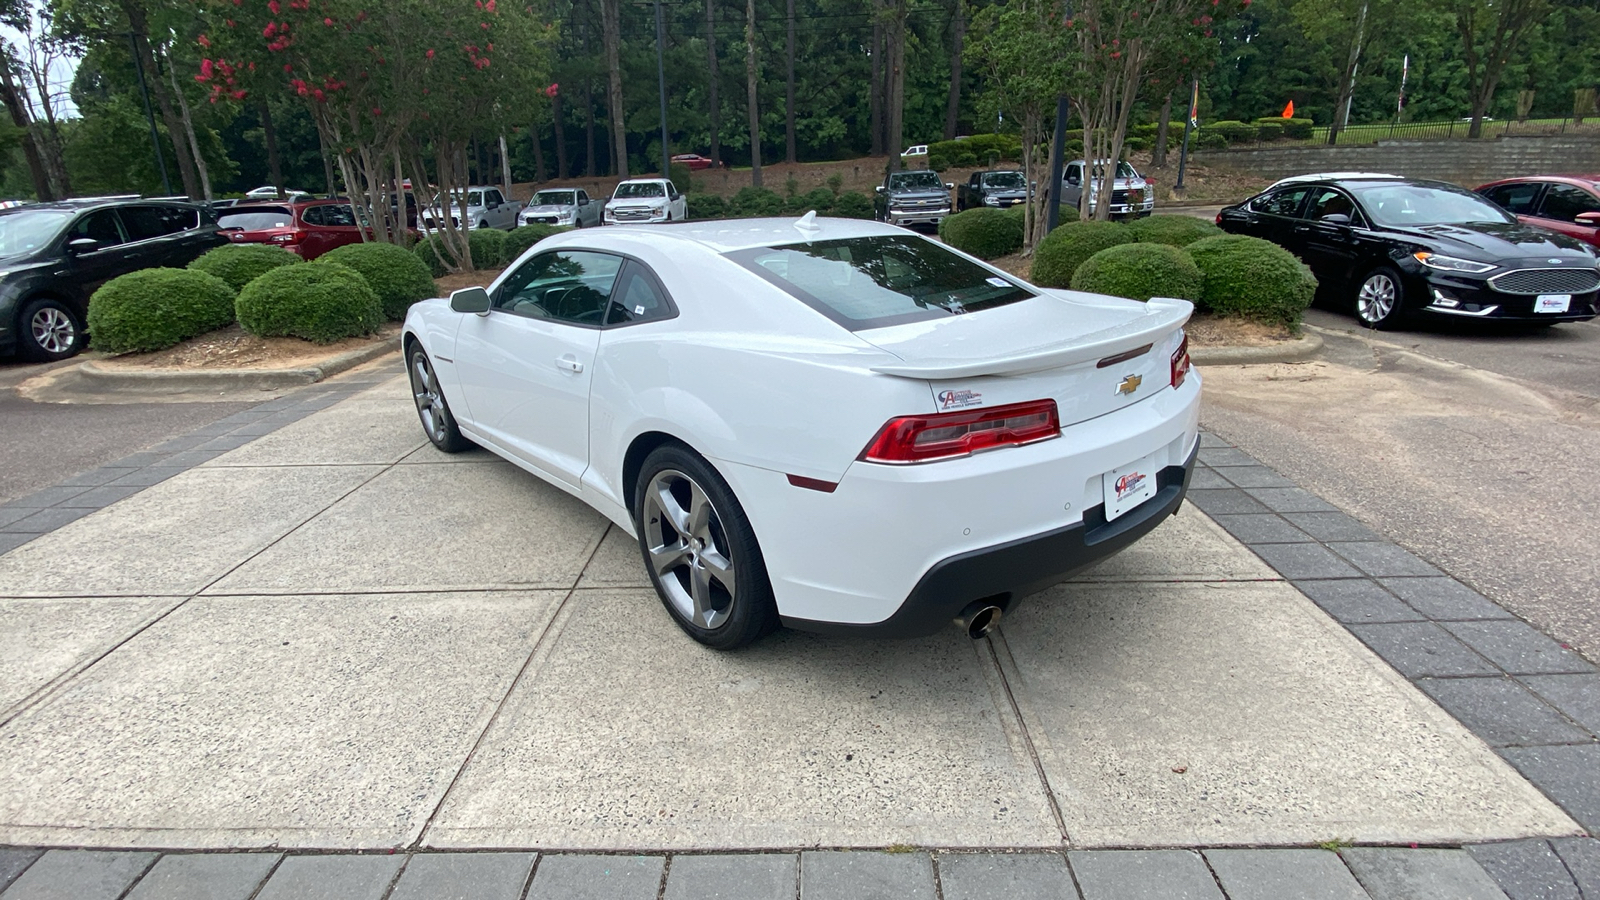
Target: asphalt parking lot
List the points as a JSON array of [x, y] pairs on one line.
[[319, 634]]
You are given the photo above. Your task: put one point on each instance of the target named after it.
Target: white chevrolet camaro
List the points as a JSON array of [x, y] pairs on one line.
[[831, 424]]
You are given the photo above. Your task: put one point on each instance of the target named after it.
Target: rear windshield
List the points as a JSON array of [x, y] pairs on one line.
[[873, 282], [254, 218]]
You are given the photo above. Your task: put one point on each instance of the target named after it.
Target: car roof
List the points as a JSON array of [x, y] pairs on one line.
[[81, 203], [727, 235], [1589, 181], [1336, 176]]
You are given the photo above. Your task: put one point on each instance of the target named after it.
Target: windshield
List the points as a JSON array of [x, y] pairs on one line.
[[474, 198], [915, 181], [1412, 204], [27, 230], [554, 198], [1123, 171], [873, 282], [641, 189], [1003, 180], [255, 218]]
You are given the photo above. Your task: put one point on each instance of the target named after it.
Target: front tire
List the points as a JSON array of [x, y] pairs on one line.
[[438, 423], [1380, 299], [700, 551], [48, 331]]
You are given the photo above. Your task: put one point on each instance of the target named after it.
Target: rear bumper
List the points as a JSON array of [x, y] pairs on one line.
[[1005, 573]]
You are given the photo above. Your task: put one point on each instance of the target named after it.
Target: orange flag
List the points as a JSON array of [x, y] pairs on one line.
[[1288, 111]]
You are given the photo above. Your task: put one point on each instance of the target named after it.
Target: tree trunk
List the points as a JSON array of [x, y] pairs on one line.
[[750, 73], [22, 117], [327, 165], [789, 148], [896, 34], [561, 138], [1347, 78], [505, 167], [269, 135], [538, 154], [874, 94], [589, 169], [188, 131], [1158, 156], [139, 24], [958, 38], [712, 81], [1511, 21], [611, 34]]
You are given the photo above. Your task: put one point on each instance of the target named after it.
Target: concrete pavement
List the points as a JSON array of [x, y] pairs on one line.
[[335, 638]]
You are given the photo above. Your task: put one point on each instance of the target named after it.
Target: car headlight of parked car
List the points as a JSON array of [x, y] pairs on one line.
[[991, 201], [1451, 264]]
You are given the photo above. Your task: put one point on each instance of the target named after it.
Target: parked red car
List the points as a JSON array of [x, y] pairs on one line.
[[695, 161], [1569, 204], [308, 228]]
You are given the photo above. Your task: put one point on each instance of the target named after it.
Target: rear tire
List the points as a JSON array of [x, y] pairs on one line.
[[1380, 299], [700, 552], [48, 331], [438, 423]]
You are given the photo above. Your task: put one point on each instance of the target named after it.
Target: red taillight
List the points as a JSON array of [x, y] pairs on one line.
[[914, 439], [292, 237], [1180, 363], [1219, 218]]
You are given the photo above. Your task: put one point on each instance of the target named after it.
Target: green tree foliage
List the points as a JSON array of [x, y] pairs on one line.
[[320, 301], [1139, 272], [152, 309]]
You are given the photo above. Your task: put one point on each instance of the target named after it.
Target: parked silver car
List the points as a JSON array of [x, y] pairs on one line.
[[1131, 195], [486, 208], [561, 206]]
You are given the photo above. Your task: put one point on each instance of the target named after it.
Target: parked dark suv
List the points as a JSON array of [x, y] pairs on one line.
[[54, 255]]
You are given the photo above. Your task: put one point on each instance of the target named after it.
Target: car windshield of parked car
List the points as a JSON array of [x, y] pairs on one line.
[[640, 189], [474, 198], [1411, 204], [873, 282], [915, 181], [26, 230], [1003, 180], [555, 198], [255, 218]]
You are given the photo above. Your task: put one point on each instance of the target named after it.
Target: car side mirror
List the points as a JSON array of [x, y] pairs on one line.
[[879, 188], [1592, 219], [82, 245], [1335, 219], [470, 300], [1072, 179], [948, 185]]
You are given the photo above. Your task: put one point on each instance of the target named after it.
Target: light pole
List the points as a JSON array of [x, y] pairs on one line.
[[661, 80], [155, 138]]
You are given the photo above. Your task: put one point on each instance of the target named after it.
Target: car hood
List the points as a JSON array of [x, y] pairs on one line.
[[1497, 241], [550, 209], [1004, 192], [636, 201]]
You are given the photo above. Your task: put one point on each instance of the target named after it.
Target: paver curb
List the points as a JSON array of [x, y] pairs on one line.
[[1308, 346], [109, 379]]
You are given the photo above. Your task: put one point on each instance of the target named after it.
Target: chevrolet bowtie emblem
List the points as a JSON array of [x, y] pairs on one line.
[[1129, 384]]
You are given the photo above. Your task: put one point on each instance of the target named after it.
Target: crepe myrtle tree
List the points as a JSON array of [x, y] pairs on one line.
[[393, 86]]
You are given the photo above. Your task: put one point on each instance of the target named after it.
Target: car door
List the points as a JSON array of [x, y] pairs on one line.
[[1273, 216], [588, 210], [1520, 198], [500, 214], [106, 260], [151, 240], [1560, 208], [677, 206], [338, 227], [1328, 244], [526, 365]]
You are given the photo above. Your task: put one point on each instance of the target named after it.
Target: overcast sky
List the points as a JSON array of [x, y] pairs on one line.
[[61, 72]]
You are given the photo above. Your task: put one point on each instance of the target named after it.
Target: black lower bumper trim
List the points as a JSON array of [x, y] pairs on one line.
[[1005, 573]]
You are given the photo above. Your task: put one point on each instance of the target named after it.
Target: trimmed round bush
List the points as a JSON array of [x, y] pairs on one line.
[[320, 301], [1269, 130], [240, 264], [707, 206], [152, 309], [819, 199], [519, 239], [432, 253], [1174, 231], [852, 205], [1063, 250], [1139, 272], [983, 232], [1209, 140], [395, 274], [754, 201], [488, 246], [1252, 279]]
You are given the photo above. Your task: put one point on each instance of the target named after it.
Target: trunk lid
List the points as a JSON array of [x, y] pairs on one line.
[[1091, 354]]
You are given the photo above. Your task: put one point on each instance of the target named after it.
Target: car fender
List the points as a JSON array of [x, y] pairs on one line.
[[434, 325]]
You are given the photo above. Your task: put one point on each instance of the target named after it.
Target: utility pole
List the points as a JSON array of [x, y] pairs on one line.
[[661, 79], [155, 137]]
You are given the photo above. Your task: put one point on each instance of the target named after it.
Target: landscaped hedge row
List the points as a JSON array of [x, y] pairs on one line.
[[753, 202]]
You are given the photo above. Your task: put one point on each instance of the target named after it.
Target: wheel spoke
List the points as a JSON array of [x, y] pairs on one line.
[[666, 558], [720, 568], [671, 508], [699, 513], [700, 590]]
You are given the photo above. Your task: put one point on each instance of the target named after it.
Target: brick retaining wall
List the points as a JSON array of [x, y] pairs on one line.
[[1468, 163]]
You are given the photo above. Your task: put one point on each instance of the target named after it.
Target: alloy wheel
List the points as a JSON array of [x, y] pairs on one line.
[[430, 402], [1375, 301], [53, 330], [688, 548]]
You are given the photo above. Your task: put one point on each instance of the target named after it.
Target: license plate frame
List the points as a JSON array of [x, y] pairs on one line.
[[1552, 303], [1128, 486]]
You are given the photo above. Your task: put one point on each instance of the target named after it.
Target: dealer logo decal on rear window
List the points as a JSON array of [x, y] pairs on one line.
[[959, 399]]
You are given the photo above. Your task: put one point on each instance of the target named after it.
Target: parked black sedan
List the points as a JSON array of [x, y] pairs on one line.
[[1396, 247], [54, 255]]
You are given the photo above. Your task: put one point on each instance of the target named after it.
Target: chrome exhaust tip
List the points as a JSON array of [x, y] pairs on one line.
[[979, 619]]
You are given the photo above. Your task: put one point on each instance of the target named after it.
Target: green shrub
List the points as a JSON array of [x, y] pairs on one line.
[[706, 206], [853, 205], [1139, 272], [1137, 143], [1252, 279], [966, 159], [819, 199], [519, 239], [835, 183], [983, 232], [978, 148], [1268, 130], [395, 274], [682, 177], [1293, 129], [1233, 132], [488, 247], [152, 309], [754, 201], [240, 264], [1063, 250], [1208, 140], [320, 301], [1173, 230], [432, 253]]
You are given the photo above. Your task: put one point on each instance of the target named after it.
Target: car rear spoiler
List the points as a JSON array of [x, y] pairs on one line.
[[1162, 316]]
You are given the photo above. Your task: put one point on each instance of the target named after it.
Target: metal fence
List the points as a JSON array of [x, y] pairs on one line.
[[1443, 131]]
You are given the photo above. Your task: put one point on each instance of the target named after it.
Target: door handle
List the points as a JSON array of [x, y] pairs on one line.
[[569, 363], [1302, 229]]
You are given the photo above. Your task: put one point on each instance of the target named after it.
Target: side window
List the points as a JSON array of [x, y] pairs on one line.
[[1516, 198], [638, 299], [571, 286], [1563, 202], [1074, 173], [314, 215], [144, 222], [583, 197], [179, 218], [339, 216], [1330, 202], [1281, 203], [491, 198], [99, 226], [672, 190]]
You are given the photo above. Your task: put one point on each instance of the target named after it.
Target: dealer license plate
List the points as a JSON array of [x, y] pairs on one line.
[[1128, 486], [1552, 303]]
